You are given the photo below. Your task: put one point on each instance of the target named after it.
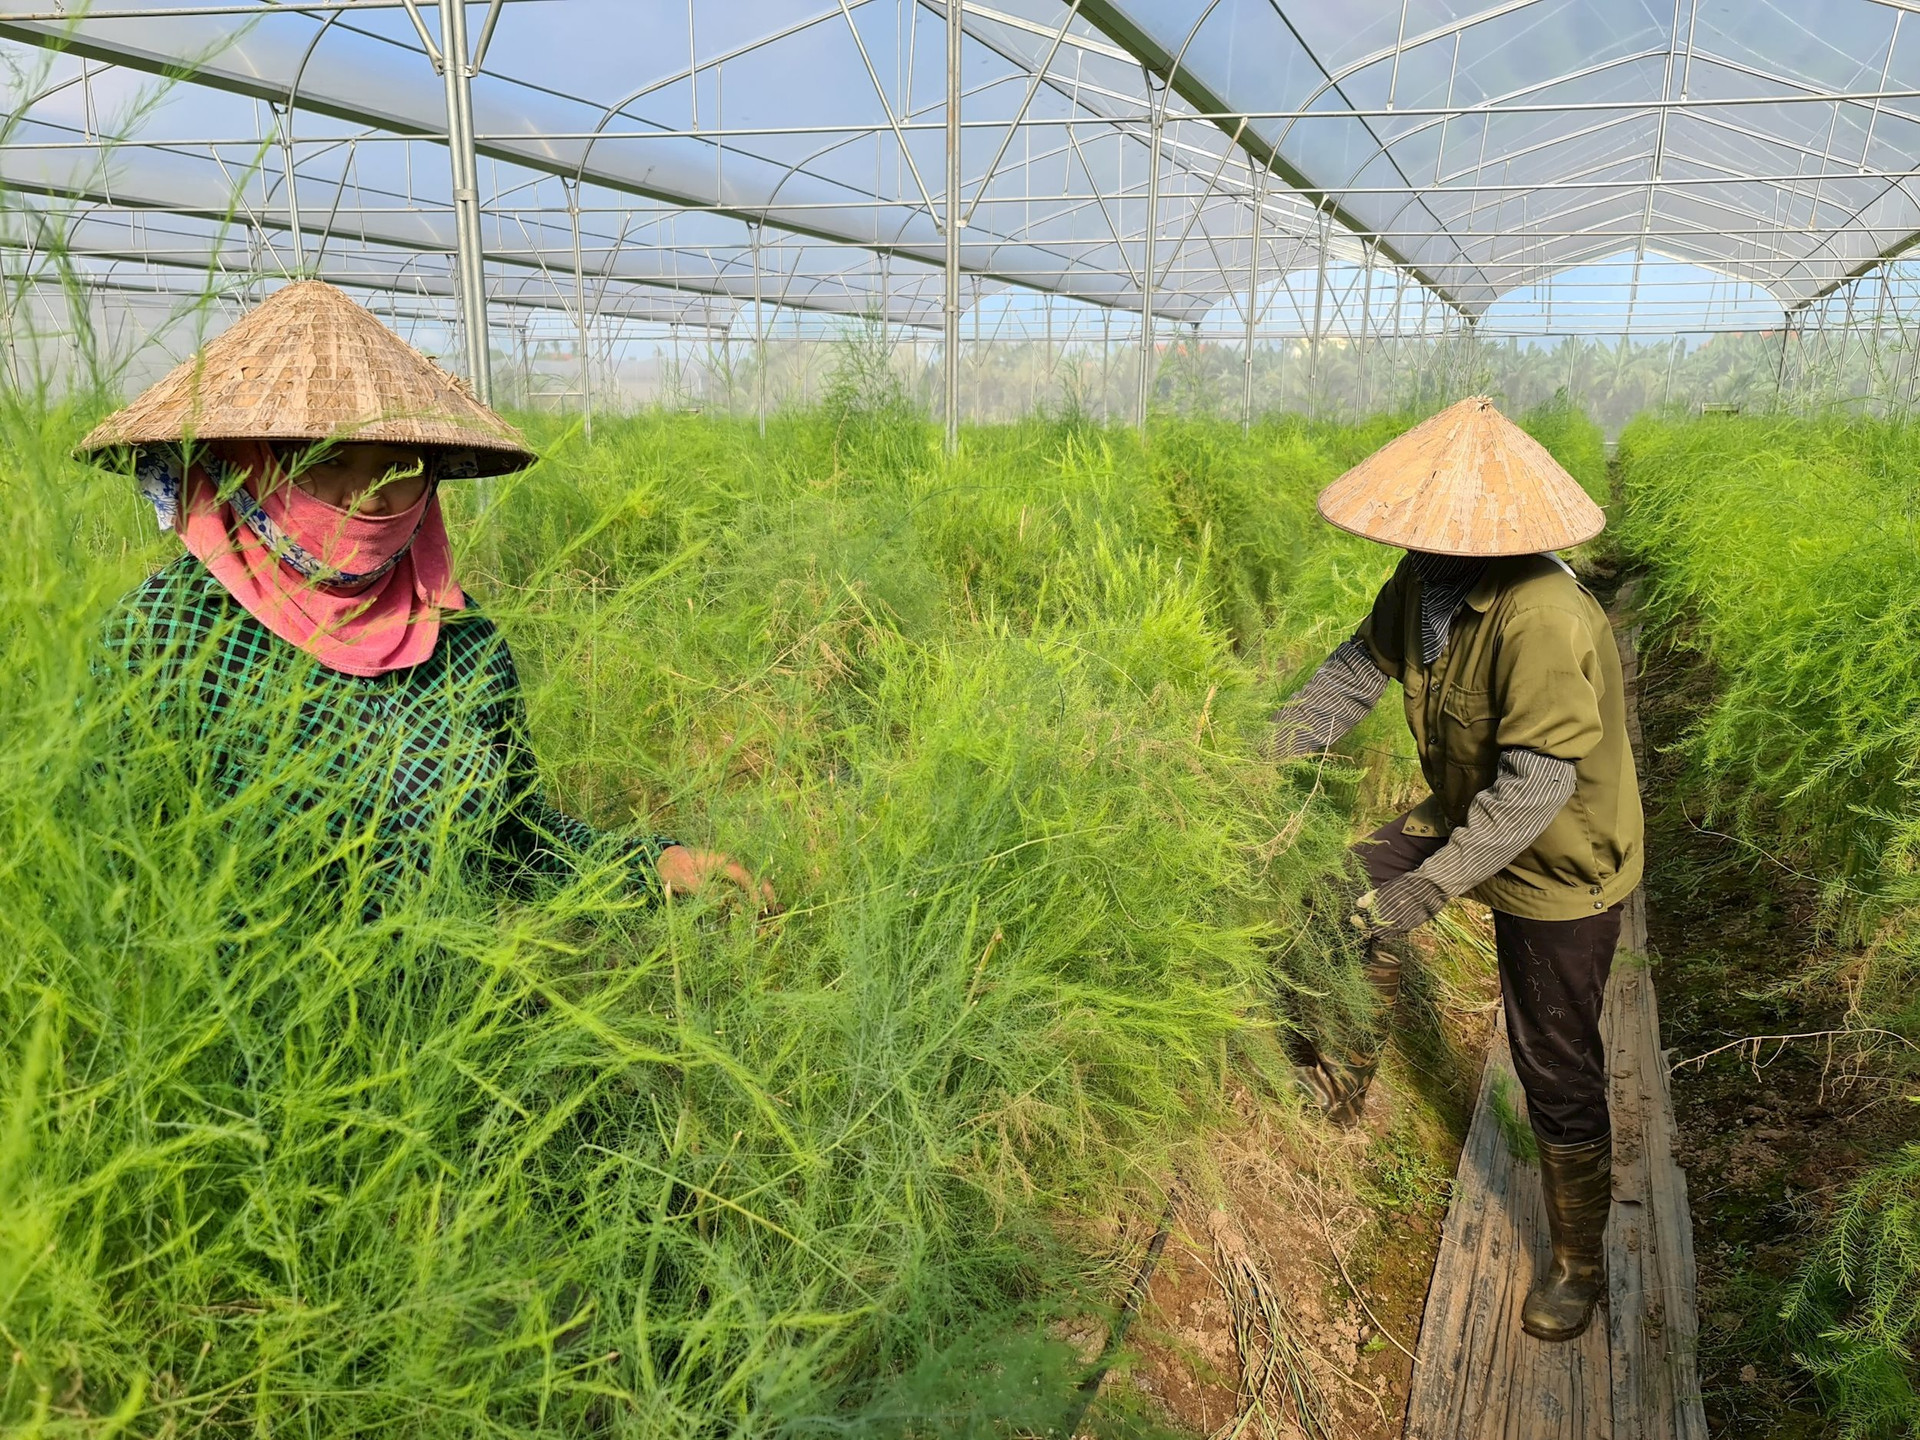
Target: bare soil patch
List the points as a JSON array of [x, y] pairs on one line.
[[1322, 1239]]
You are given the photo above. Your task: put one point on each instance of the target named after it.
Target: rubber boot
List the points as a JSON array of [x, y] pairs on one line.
[[1340, 1083], [1578, 1183]]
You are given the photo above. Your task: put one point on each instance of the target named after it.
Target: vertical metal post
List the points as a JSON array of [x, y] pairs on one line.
[[1832, 357], [1913, 361], [523, 348], [1877, 365], [1106, 361], [1197, 369], [1810, 375], [1052, 372], [979, 390], [804, 357], [1053, 369], [1366, 323], [458, 72], [951, 309], [293, 189], [1905, 350], [1033, 379], [580, 311], [1829, 366], [1253, 297], [1449, 356], [1780, 371], [1453, 324], [759, 337], [1157, 112], [1423, 357], [1319, 305], [1399, 340], [1840, 360]]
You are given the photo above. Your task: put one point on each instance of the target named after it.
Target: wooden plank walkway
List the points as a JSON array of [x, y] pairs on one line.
[[1632, 1376]]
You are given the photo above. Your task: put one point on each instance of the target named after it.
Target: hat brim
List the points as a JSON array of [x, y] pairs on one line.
[[1466, 482], [487, 462]]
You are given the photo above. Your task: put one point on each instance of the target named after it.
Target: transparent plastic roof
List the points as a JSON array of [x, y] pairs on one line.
[[1486, 143], [672, 160]]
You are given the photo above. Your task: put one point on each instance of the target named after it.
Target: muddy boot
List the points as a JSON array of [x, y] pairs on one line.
[[1340, 1082], [1383, 961], [1578, 1182]]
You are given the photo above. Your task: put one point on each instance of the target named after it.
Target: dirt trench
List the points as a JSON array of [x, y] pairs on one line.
[[1769, 1137]]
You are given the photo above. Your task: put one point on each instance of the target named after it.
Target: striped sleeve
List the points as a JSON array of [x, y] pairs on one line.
[[1505, 818], [1345, 687]]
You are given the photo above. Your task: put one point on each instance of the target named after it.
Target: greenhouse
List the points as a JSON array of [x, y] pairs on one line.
[[918, 718]]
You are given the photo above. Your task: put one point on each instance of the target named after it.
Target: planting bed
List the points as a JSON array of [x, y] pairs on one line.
[[1779, 702], [1769, 1141], [284, 1149]]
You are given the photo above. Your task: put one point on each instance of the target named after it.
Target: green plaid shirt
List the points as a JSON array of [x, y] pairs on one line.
[[397, 763]]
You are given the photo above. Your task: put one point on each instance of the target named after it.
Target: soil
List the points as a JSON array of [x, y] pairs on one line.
[[1768, 1137], [1306, 1213]]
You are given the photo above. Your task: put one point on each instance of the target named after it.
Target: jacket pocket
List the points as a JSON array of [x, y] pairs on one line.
[[1468, 726], [1466, 746]]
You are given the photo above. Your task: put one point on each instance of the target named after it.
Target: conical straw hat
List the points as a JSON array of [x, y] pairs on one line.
[[310, 364], [1467, 482]]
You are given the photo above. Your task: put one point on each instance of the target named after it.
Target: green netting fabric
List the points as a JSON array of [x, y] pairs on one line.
[[383, 777]]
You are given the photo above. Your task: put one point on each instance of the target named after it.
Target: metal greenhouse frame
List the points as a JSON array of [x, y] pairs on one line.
[[1396, 187]]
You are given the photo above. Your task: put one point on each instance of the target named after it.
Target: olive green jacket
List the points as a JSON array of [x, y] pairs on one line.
[[1530, 664]]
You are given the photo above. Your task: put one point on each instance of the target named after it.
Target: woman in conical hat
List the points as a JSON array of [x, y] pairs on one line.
[[1513, 691], [299, 458]]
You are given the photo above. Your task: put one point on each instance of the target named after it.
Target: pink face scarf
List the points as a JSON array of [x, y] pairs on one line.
[[362, 594]]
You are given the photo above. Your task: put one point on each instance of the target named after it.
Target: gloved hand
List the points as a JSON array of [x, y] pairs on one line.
[[1404, 903]]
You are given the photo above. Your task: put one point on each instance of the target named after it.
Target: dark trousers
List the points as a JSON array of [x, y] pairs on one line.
[[1553, 977]]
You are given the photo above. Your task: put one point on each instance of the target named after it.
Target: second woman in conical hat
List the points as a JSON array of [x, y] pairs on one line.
[[1513, 691], [315, 624]]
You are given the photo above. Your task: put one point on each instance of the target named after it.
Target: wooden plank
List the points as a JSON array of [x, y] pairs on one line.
[[1630, 1237], [1477, 1375], [1632, 1376], [1652, 1304]]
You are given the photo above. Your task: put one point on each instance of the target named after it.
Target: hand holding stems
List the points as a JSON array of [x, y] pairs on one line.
[[686, 871], [1403, 903]]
